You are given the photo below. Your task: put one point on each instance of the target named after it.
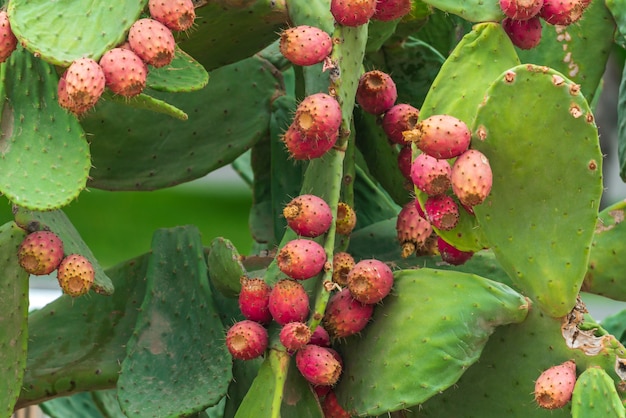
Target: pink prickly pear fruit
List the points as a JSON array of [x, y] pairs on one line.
[[124, 72], [521, 9], [442, 212], [84, 83], [289, 302], [342, 264], [440, 136], [452, 255], [430, 175], [562, 12], [8, 41], [177, 15], [471, 178], [40, 252], [254, 300], [404, 161], [387, 10], [246, 340], [412, 229], [376, 92], [352, 12], [346, 219], [331, 407], [152, 41], [64, 99], [301, 147], [308, 215], [554, 387], [370, 281], [318, 365], [75, 274], [345, 315], [294, 336], [305, 45], [301, 259], [524, 34], [320, 337], [401, 117]]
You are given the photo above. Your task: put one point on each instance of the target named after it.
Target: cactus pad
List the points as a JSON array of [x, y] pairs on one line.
[[225, 268], [595, 396], [184, 74], [472, 10]]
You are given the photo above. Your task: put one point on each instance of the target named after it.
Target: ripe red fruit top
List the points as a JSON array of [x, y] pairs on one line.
[[370, 281], [177, 15], [289, 302], [521, 9], [308, 215], [152, 41], [401, 117], [318, 365], [440, 136], [125, 73], [246, 340], [301, 259], [305, 45], [554, 387], [352, 12], [254, 299], [376, 92], [387, 10], [40, 252], [84, 82], [8, 41]]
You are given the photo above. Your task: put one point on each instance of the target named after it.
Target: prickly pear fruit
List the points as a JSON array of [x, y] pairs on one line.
[[308, 215], [554, 387], [370, 281], [525, 34], [301, 259], [331, 407], [562, 12], [40, 252], [345, 315], [177, 15], [376, 92], [404, 161], [452, 255], [521, 9], [471, 178], [442, 212], [352, 12], [152, 41], [289, 302], [305, 45], [320, 337], [125, 73], [342, 264], [387, 10], [75, 274], [302, 148], [413, 230], [294, 336], [346, 219], [246, 340], [318, 365], [254, 300], [84, 83], [430, 175], [8, 41], [440, 136], [401, 117]]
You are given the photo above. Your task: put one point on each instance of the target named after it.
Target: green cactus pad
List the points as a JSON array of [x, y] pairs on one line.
[[57, 222], [82, 28], [106, 400], [431, 328], [472, 10], [78, 405], [546, 254], [145, 102], [183, 74], [225, 268], [616, 7], [372, 201], [261, 219], [13, 321], [177, 362], [244, 373], [595, 396], [299, 400], [621, 126], [45, 157]]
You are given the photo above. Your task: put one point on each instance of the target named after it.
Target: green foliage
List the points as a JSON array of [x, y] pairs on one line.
[[595, 395]]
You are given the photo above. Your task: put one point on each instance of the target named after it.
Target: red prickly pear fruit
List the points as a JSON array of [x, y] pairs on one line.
[[305, 45], [254, 300], [177, 15], [320, 337], [301, 147], [75, 274], [412, 229], [301, 259], [294, 336], [246, 340], [352, 12], [331, 407], [452, 255], [318, 365], [430, 175], [521, 9], [524, 34], [322, 390], [471, 178], [125, 73], [289, 302], [152, 41], [401, 117], [346, 219], [8, 41], [84, 83], [342, 264], [554, 387], [376, 92], [440, 136], [404, 161], [387, 10], [442, 212], [308, 215], [562, 12], [345, 315], [370, 281], [40, 252]]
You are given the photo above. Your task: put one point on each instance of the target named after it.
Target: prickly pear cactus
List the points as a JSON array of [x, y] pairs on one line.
[[476, 312]]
